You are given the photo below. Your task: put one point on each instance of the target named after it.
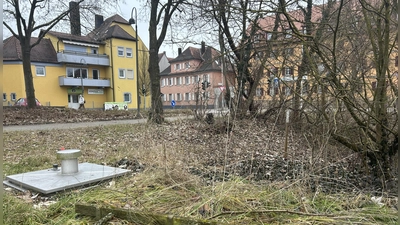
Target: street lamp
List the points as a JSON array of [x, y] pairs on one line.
[[83, 62], [134, 21]]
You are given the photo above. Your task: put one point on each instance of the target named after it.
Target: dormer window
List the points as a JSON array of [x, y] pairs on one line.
[[177, 66], [187, 65]]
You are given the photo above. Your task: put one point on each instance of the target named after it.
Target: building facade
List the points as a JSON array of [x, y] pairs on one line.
[[100, 65], [195, 78]]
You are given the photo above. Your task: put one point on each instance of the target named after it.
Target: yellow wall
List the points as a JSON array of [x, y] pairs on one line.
[[13, 78], [49, 92]]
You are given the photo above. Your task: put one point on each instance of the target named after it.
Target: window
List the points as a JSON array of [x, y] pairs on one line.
[[273, 54], [4, 97], [121, 73], [187, 96], [187, 80], [177, 66], [13, 97], [206, 77], [304, 29], [127, 97], [164, 98], [129, 74], [129, 52], [288, 52], [96, 74], [268, 36], [288, 33], [179, 97], [162, 82], [170, 97], [187, 65], [84, 73], [259, 92], [178, 80], [170, 81], [288, 71], [121, 51], [77, 72], [94, 50], [40, 71]]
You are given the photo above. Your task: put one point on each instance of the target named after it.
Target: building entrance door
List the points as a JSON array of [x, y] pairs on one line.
[[73, 101]]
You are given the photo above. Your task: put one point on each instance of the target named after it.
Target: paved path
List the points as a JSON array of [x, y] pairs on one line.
[[80, 125]]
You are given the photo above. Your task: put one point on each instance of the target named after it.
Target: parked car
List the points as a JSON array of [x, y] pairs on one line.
[[24, 102]]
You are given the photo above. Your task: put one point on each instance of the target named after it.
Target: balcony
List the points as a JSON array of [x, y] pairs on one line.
[[77, 82], [76, 57]]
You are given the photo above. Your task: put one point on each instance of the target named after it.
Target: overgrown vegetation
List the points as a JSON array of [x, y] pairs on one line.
[[232, 172]]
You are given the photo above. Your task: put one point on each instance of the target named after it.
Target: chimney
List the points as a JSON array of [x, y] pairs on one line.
[[203, 47], [75, 19], [98, 21], [179, 51]]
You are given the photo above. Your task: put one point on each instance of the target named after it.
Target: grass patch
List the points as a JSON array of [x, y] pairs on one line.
[[167, 184]]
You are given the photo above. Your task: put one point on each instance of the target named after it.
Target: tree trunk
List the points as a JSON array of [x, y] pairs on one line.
[[156, 114], [26, 64]]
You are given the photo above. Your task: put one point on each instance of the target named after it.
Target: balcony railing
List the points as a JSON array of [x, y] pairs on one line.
[[76, 57], [71, 81]]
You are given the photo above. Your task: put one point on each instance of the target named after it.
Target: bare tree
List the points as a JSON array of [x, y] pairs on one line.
[[356, 53], [158, 16]]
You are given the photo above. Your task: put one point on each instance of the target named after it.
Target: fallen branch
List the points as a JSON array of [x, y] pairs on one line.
[[269, 211], [104, 219]]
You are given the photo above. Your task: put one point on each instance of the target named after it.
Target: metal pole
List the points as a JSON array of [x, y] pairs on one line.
[[83, 63], [137, 58]]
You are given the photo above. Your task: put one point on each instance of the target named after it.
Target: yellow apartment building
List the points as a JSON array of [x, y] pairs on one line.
[[100, 65]]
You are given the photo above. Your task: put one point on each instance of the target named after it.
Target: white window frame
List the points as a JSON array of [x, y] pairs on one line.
[[178, 96], [162, 82], [94, 51], [120, 51], [119, 73], [129, 53], [170, 81], [288, 33], [129, 95], [187, 96], [4, 97], [164, 97], [187, 65], [170, 97], [187, 80], [13, 97], [268, 36], [130, 74], [177, 66], [98, 74], [179, 81], [43, 74], [287, 71]]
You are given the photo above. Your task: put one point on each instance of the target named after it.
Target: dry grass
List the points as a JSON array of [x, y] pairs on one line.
[[183, 176]]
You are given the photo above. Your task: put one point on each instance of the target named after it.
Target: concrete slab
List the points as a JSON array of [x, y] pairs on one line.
[[50, 181]]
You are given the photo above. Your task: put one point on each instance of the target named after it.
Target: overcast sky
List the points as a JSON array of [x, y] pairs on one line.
[[125, 11], [143, 25]]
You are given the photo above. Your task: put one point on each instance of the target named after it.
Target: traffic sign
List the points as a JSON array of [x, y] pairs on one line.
[[222, 88], [173, 103]]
